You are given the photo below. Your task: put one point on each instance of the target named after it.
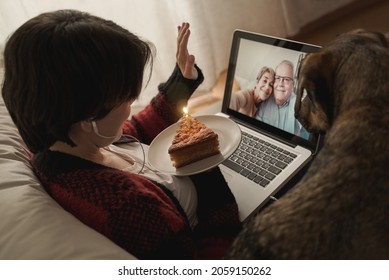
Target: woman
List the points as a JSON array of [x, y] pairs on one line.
[[246, 101], [70, 80]]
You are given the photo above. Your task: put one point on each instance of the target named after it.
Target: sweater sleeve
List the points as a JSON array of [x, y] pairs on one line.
[[217, 213], [165, 108]]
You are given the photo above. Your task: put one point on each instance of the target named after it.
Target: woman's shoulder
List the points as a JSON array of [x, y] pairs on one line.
[[90, 181], [58, 166]]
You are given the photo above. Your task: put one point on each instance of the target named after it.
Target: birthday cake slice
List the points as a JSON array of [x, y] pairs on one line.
[[193, 141]]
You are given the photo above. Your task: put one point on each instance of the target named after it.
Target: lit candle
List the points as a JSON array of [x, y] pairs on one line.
[[186, 115]]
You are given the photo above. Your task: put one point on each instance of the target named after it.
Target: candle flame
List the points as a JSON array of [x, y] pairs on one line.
[[185, 110]]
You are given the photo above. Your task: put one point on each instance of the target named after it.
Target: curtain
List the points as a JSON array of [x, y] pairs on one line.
[[212, 24]]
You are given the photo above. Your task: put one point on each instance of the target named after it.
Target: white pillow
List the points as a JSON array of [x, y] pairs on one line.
[[32, 224]]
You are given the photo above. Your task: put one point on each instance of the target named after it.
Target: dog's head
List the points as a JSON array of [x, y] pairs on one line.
[[313, 101], [319, 79]]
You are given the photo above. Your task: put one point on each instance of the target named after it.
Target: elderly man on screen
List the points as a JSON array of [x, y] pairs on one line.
[[278, 110]]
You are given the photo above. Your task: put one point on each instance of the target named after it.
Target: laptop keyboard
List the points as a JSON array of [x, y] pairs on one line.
[[258, 160]]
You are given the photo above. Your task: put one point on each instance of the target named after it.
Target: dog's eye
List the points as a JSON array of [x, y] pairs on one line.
[[305, 93]]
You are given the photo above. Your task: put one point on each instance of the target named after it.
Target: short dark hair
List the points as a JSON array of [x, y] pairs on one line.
[[66, 66]]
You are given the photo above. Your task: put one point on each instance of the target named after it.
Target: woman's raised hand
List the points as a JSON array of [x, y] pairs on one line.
[[185, 60]]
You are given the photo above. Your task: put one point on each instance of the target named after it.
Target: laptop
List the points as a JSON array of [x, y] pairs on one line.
[[270, 153]]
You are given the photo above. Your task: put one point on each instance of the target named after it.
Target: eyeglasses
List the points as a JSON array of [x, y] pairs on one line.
[[286, 80]]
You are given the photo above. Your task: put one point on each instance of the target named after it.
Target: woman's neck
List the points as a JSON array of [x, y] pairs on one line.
[[90, 153], [98, 155]]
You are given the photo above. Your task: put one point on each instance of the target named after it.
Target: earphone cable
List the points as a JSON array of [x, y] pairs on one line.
[[141, 146]]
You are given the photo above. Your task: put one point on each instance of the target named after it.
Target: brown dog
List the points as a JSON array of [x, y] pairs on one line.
[[340, 209]]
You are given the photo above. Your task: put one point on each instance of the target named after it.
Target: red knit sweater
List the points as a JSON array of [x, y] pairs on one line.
[[136, 213]]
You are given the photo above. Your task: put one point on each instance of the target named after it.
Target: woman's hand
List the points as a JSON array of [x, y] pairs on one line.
[[185, 60]]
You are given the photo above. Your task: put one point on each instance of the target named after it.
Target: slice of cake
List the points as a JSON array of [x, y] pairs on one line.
[[193, 141]]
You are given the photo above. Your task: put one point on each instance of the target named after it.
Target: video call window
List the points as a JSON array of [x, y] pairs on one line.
[[265, 83]]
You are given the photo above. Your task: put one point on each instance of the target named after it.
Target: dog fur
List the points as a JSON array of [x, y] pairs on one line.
[[340, 208]]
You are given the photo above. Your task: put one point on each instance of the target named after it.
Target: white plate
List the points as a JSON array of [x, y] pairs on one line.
[[229, 138]]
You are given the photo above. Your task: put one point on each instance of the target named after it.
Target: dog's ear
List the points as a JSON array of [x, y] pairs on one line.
[[378, 37], [315, 82]]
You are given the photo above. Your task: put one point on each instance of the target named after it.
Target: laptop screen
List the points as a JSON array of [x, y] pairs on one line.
[[261, 85]]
